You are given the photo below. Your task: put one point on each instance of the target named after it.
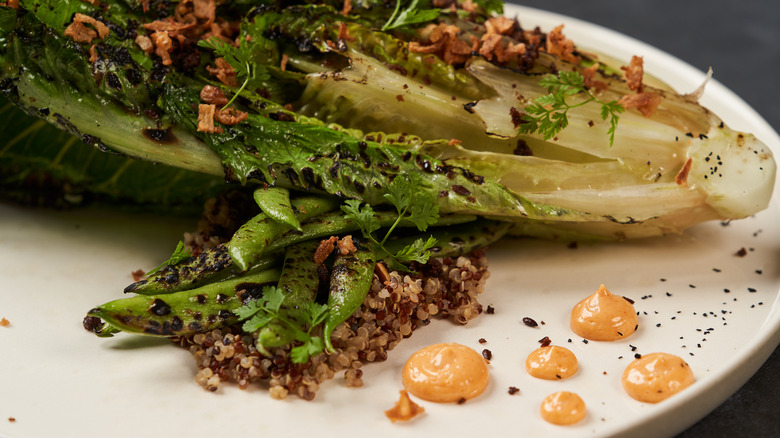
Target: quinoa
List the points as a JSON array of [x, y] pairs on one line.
[[444, 288]]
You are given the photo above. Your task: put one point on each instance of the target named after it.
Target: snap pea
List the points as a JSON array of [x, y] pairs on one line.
[[334, 223], [459, 239], [299, 282], [184, 312], [215, 263], [212, 265], [251, 241], [350, 281], [275, 203]]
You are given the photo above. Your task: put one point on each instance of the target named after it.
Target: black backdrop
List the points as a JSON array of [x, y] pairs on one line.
[[740, 40]]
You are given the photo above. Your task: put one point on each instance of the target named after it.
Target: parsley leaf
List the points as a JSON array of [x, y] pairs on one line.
[[180, 254], [415, 12], [298, 321], [547, 114], [419, 251], [363, 215], [412, 205]]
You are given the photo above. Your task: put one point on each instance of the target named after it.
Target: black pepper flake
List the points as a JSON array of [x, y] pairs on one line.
[[487, 354], [668, 294], [629, 300], [530, 322], [658, 325], [462, 400], [584, 341], [490, 310], [716, 269], [751, 289], [482, 340], [513, 390], [633, 348], [545, 341], [759, 272], [692, 286], [741, 253], [637, 356]]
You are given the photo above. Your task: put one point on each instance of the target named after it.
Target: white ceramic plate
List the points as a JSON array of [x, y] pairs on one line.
[[58, 380]]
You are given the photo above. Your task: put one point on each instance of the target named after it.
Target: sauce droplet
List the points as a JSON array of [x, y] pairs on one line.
[[656, 376], [604, 317], [446, 373], [563, 408], [551, 363]]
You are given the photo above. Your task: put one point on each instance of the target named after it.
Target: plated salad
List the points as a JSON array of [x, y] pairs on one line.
[[354, 159]]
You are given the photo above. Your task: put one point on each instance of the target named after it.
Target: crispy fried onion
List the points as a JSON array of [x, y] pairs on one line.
[[557, 44], [79, 31]]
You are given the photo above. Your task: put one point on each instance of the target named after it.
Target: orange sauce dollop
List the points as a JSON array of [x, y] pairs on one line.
[[604, 317], [563, 408], [551, 363], [656, 376], [445, 373]]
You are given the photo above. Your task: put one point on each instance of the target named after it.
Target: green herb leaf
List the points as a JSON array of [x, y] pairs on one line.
[[312, 347], [491, 6], [547, 114], [412, 205], [414, 12], [363, 215], [419, 251], [179, 254], [240, 58], [298, 322]]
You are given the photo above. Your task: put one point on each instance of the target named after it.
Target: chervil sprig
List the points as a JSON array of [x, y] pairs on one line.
[[548, 116], [412, 205], [299, 321]]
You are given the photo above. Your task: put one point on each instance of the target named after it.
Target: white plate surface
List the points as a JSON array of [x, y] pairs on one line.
[[58, 380]]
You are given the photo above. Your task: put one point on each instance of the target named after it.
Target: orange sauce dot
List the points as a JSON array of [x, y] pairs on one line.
[[445, 373], [563, 408], [604, 317], [551, 363], [656, 376]]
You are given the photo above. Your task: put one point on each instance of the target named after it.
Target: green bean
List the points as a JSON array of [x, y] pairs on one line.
[[334, 223], [275, 203], [251, 241], [299, 282], [185, 312], [349, 284], [212, 265], [457, 240]]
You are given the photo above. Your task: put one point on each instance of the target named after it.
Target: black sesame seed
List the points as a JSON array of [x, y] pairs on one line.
[[529, 322]]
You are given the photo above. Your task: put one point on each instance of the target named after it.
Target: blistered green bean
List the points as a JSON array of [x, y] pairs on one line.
[[350, 281], [275, 203], [185, 312], [457, 240], [252, 240], [299, 282]]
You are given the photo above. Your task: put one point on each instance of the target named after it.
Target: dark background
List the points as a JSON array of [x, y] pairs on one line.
[[740, 40]]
